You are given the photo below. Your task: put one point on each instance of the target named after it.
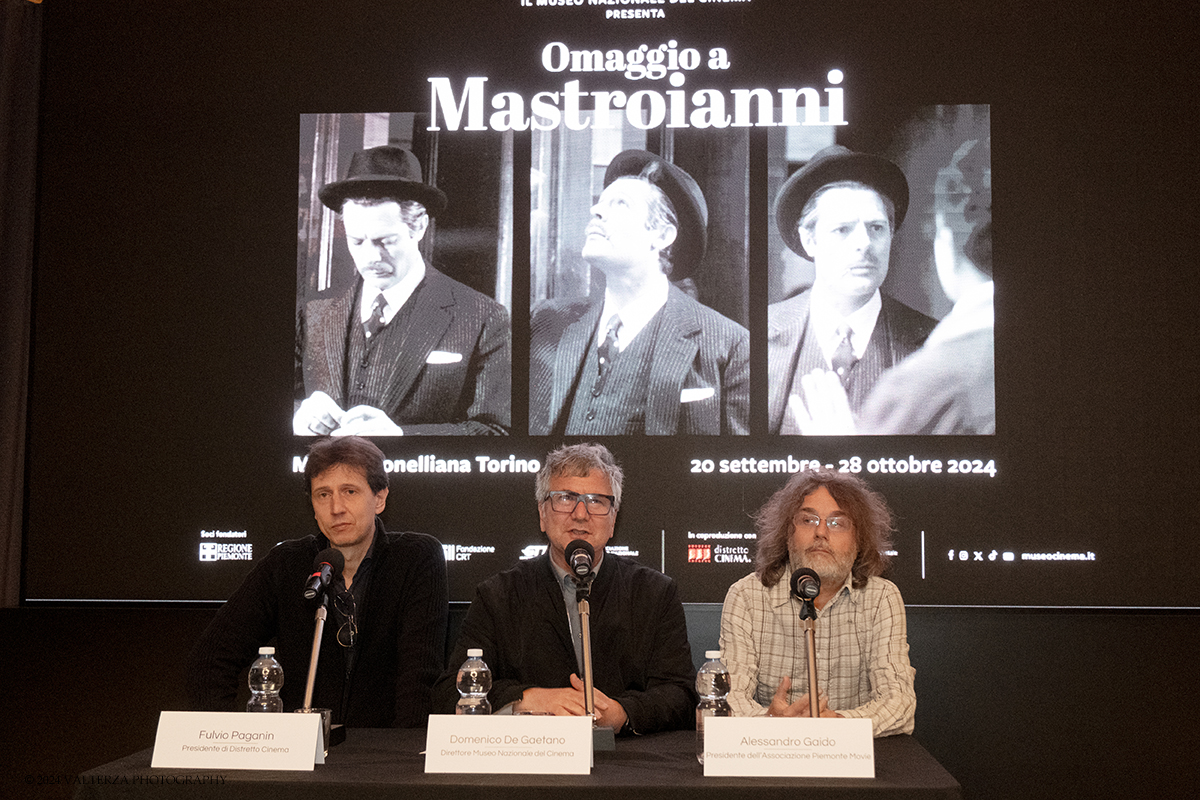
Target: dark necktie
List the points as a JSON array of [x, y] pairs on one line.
[[843, 357], [608, 348], [375, 324]]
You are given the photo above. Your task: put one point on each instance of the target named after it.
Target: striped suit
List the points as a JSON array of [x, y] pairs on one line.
[[899, 331], [444, 367], [698, 380]]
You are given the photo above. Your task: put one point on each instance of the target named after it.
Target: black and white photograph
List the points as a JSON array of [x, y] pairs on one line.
[[881, 314], [404, 279], [639, 283]]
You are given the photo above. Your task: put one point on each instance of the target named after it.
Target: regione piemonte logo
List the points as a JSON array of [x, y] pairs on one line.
[[226, 551]]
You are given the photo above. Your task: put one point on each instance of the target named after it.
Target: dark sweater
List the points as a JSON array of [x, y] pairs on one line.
[[401, 628], [640, 649]]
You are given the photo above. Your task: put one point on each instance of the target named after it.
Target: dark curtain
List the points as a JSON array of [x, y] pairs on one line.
[[20, 70]]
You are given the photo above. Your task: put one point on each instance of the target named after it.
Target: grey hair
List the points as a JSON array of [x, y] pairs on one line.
[[578, 461]]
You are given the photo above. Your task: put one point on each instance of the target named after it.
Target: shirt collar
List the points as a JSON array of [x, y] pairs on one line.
[[395, 296], [826, 321], [564, 575], [635, 315], [847, 590], [781, 593], [323, 542]]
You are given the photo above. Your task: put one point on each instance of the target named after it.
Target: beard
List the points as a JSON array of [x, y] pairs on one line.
[[833, 568]]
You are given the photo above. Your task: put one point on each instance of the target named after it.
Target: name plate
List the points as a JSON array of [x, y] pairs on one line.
[[509, 744], [232, 740], [795, 746]]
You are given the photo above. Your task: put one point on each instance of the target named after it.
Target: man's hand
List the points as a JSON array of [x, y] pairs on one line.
[[609, 713], [565, 702], [367, 421], [568, 702], [779, 705], [824, 410], [319, 415]]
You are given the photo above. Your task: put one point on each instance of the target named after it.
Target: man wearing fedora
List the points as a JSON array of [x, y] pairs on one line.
[[840, 210], [643, 357], [406, 350]]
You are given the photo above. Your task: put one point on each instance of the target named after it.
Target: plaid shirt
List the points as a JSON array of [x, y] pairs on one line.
[[862, 651]]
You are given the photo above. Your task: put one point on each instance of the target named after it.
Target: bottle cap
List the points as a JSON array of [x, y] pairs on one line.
[[266, 651], [711, 654], [475, 652]]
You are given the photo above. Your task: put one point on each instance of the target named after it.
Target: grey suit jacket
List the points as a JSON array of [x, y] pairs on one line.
[[699, 374], [900, 329], [454, 375]]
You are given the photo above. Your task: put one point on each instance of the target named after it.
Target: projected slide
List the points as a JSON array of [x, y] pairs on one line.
[[731, 241]]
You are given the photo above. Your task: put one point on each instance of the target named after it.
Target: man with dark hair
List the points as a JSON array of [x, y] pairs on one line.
[[645, 358], [840, 210], [526, 619], [833, 524], [949, 385], [384, 652], [406, 350]]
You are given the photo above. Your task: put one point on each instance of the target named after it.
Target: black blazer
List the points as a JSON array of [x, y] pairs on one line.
[[641, 656]]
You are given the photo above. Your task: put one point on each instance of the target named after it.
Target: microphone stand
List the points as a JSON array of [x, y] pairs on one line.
[[318, 632], [602, 738], [808, 614], [583, 591]]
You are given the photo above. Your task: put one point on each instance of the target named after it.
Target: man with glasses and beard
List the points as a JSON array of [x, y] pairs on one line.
[[526, 619], [386, 631], [833, 524]]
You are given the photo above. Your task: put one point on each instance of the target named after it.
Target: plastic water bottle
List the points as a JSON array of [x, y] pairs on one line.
[[474, 683], [712, 684], [266, 679]]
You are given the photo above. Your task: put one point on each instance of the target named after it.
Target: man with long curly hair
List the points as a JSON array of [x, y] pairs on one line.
[[835, 525]]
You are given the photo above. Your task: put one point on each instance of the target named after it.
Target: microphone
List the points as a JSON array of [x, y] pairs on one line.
[[806, 584], [579, 556], [327, 566]]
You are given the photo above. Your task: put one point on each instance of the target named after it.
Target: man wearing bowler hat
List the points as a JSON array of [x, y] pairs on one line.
[[840, 210], [406, 350], [643, 358]]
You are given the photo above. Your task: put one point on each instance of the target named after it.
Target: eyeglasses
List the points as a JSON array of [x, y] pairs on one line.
[[597, 505], [834, 522], [344, 604]]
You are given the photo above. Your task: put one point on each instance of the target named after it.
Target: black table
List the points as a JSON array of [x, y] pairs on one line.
[[388, 763]]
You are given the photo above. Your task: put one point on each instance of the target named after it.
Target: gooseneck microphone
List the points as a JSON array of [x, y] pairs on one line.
[[327, 567], [806, 584], [579, 555]]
